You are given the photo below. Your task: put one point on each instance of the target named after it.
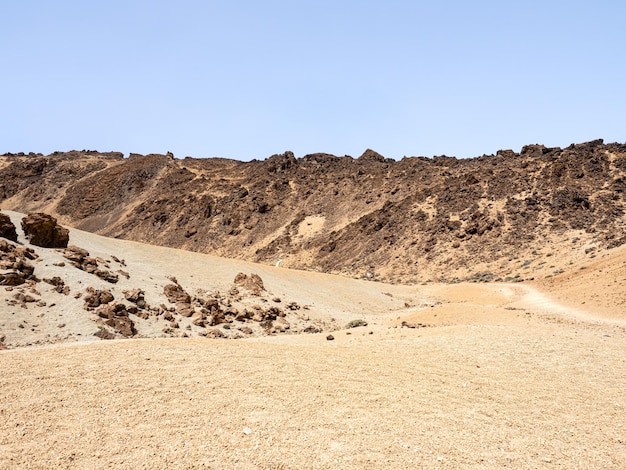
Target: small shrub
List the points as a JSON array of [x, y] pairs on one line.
[[356, 323]]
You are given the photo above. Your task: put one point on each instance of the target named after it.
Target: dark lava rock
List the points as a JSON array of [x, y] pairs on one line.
[[7, 228], [42, 230]]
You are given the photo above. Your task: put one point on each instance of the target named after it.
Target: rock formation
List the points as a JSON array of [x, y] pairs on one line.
[[42, 230], [412, 220], [7, 228]]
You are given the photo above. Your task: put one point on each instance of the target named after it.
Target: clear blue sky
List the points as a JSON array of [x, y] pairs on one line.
[[247, 79]]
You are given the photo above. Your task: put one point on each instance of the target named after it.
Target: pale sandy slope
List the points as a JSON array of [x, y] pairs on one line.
[[504, 376]]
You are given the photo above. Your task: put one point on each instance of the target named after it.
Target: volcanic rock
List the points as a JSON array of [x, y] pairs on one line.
[[94, 298], [104, 333], [184, 309], [413, 220], [252, 283], [59, 285], [135, 296], [79, 257], [123, 325], [76, 255], [176, 294], [7, 228], [42, 230], [14, 267]]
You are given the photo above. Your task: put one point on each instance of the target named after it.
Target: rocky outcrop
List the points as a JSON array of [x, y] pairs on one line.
[[252, 283], [7, 228], [176, 294], [42, 230], [58, 284], [15, 268], [94, 298], [413, 220], [116, 317], [79, 257], [136, 296]]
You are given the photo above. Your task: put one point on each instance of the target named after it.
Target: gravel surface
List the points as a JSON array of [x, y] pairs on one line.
[[548, 395]]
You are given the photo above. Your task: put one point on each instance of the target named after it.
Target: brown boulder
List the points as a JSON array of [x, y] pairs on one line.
[[106, 297], [95, 298], [6, 247], [14, 269], [42, 230], [59, 285], [80, 258], [123, 325], [217, 317], [281, 324], [135, 296], [198, 319], [7, 228], [103, 333], [253, 283], [11, 278], [107, 275], [75, 254], [112, 310], [54, 281], [209, 303], [176, 294], [184, 309]]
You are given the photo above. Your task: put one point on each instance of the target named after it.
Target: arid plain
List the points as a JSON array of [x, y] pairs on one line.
[[481, 375]]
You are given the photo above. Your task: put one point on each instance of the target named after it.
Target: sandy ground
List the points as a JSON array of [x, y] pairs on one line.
[[499, 376]]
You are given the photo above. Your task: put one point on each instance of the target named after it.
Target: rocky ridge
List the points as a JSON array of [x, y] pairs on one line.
[[494, 217]]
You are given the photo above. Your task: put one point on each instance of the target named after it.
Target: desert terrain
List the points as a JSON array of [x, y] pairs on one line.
[[494, 336], [481, 375]]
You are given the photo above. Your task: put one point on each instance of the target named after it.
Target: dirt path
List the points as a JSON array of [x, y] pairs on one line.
[[538, 301]]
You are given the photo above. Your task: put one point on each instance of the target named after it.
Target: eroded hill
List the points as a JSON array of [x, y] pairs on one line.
[[508, 216]]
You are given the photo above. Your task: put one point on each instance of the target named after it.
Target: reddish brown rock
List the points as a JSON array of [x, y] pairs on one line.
[[42, 230], [14, 267], [7, 228], [136, 296], [198, 319], [252, 283], [123, 325], [59, 285], [80, 258], [184, 309], [176, 294], [11, 278], [94, 298], [217, 317], [104, 333], [75, 254]]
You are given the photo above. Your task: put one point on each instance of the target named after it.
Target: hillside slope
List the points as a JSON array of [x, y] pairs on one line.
[[492, 217]]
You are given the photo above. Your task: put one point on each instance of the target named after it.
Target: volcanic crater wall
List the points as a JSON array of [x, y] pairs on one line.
[[409, 220]]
